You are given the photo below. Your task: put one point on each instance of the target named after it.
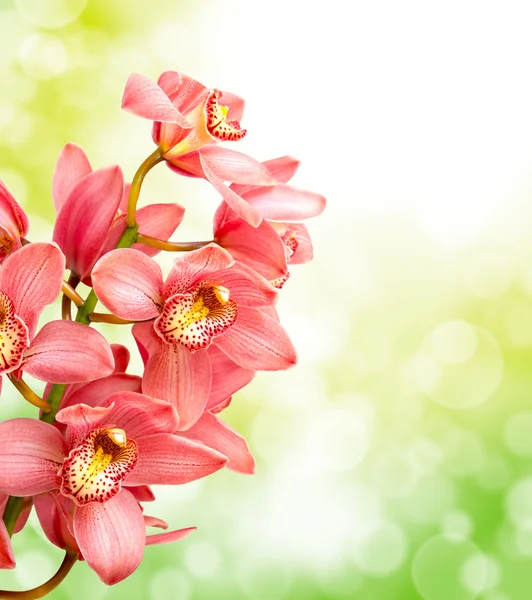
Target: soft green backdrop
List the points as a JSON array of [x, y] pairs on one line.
[[394, 462]]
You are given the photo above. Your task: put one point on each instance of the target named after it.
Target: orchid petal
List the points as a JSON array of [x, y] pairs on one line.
[[185, 93], [68, 352], [247, 287], [147, 340], [32, 278], [180, 377], [257, 342], [227, 377], [129, 284], [142, 493], [95, 392], [237, 167], [285, 203], [12, 218], [72, 165], [140, 415], [80, 420], [97, 196], [282, 169], [146, 99], [55, 519], [121, 355], [169, 459], [169, 536], [296, 237], [154, 521], [7, 558], [31, 454], [260, 248], [216, 434], [111, 536]]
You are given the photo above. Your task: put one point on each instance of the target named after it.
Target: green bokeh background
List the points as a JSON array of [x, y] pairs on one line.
[[393, 463]]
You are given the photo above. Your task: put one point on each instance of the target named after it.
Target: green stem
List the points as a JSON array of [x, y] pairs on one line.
[[54, 399], [39, 592], [153, 159], [11, 512]]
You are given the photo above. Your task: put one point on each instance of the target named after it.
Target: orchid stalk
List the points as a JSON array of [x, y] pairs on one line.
[[104, 436]]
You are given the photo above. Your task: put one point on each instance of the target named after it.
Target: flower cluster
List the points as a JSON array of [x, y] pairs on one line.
[[103, 436]]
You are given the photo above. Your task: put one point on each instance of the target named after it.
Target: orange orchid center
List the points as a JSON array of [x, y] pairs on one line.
[[6, 243], [14, 336], [95, 468], [195, 319], [210, 123]]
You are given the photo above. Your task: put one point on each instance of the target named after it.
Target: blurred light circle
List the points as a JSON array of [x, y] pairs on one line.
[[518, 323], [480, 573], [261, 581], [50, 13], [494, 475], [170, 579], [424, 456], [522, 541], [457, 525], [437, 569], [489, 274], [518, 433], [339, 440], [202, 559], [43, 56], [431, 497], [470, 361], [519, 503], [427, 372], [383, 551], [34, 567], [394, 475], [464, 452], [454, 342]]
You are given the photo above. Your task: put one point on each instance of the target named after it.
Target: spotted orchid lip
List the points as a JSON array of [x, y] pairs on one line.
[[14, 336], [216, 121], [195, 319], [95, 468]]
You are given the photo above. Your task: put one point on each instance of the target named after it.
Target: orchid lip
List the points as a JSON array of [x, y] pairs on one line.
[[14, 336], [96, 467]]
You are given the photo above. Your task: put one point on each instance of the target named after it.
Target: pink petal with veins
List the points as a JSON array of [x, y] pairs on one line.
[[72, 165], [169, 536]]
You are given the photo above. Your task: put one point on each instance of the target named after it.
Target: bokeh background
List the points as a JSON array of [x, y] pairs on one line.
[[394, 462]]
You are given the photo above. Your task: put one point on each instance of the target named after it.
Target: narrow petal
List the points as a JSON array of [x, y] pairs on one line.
[[146, 99], [257, 342], [285, 203], [111, 536], [142, 493], [7, 558], [227, 377], [169, 536], [180, 377], [53, 512], [32, 278], [147, 340], [129, 284], [154, 522], [185, 93], [282, 169], [139, 415], [260, 248], [216, 434], [12, 218], [121, 355], [72, 165], [31, 454], [85, 218], [68, 352], [234, 166], [169, 459], [194, 267], [247, 287], [24, 515]]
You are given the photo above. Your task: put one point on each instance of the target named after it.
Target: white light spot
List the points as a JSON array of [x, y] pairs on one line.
[[519, 503], [43, 56], [454, 342], [457, 525], [202, 559], [480, 573], [170, 579], [518, 433], [52, 13], [383, 551]]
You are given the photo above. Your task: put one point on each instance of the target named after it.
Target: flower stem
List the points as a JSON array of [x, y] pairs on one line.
[[11, 512], [54, 399], [68, 562], [170, 246], [71, 293], [154, 158], [105, 318], [29, 394], [86, 308]]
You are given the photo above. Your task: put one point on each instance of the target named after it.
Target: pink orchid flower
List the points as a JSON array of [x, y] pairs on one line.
[[190, 120], [62, 351], [275, 243], [91, 207], [207, 299], [14, 223], [127, 441]]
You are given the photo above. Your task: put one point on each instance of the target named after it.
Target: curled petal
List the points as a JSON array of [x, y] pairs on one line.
[[146, 99], [121, 356], [129, 284], [95, 392], [68, 352], [169, 459], [72, 165], [31, 453], [169, 536], [142, 493], [32, 278], [154, 521], [285, 203], [7, 558], [12, 218], [81, 420], [231, 165], [257, 342], [111, 536], [218, 435], [85, 218], [53, 511]]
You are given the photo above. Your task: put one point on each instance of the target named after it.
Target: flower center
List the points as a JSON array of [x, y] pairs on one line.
[[210, 123], [95, 468], [14, 336], [195, 319]]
